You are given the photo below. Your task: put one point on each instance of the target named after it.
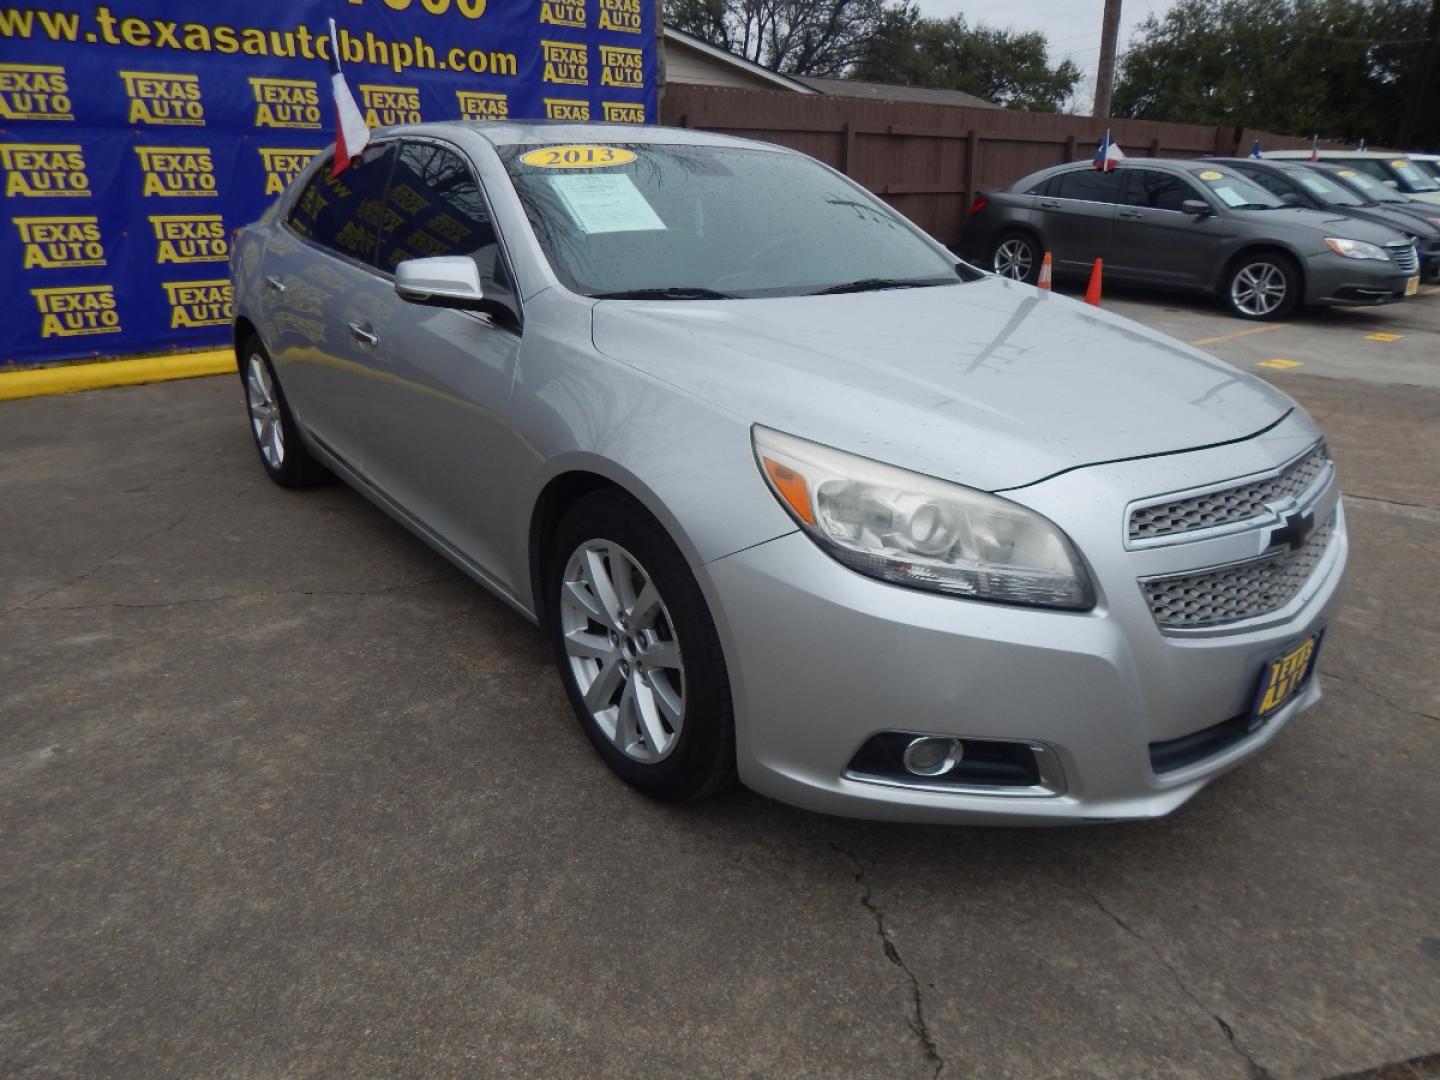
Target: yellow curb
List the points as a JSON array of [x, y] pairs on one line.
[[69, 378]]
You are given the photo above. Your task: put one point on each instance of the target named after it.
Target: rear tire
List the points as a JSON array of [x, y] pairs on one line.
[[637, 650], [283, 453], [1262, 286], [1017, 256]]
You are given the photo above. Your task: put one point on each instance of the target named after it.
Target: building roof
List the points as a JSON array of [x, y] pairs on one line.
[[674, 37], [893, 92]]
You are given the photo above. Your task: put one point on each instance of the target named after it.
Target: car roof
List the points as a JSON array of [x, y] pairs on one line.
[[555, 132], [1293, 154]]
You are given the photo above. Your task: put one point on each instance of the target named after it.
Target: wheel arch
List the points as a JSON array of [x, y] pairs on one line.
[[1258, 248]]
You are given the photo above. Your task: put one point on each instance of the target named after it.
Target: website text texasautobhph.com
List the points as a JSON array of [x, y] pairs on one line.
[[104, 27]]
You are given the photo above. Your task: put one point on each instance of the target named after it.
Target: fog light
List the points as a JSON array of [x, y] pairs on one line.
[[931, 756]]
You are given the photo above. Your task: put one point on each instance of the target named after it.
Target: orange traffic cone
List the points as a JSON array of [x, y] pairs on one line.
[[1092, 291], [1045, 273]]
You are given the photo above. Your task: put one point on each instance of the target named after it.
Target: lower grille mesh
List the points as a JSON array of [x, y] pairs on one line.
[[1239, 591]]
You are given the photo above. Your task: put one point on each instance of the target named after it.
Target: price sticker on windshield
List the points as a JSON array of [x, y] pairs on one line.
[[1212, 175], [577, 157]]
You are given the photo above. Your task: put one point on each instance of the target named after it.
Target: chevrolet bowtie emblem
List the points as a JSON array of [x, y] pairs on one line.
[[1293, 531]]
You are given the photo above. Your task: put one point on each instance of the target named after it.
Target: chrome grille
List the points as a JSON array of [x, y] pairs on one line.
[[1238, 591], [1404, 257], [1228, 505]]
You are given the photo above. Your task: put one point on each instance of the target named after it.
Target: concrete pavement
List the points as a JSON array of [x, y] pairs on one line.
[[282, 794]]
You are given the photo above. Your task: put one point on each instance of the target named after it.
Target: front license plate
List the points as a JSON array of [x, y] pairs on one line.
[[1283, 678], [1412, 285]]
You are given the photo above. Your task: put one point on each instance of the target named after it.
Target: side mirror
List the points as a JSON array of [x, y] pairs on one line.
[[444, 280], [1290, 199], [1198, 207]]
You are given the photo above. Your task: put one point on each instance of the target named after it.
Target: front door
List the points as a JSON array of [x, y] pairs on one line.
[[1156, 242], [436, 403]]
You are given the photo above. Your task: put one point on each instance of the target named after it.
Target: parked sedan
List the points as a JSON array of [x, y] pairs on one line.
[[1300, 184], [1394, 170], [1189, 225], [792, 494], [1375, 193]]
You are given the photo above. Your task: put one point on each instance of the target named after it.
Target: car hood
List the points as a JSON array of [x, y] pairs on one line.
[[1331, 222], [992, 384]]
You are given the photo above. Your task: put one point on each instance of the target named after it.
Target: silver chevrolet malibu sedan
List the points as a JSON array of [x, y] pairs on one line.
[[795, 496]]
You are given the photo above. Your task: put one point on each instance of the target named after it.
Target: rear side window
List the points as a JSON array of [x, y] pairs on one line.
[[1086, 185], [342, 213], [1157, 190]]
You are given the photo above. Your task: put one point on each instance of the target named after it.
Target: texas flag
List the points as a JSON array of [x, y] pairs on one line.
[[351, 134], [1108, 153]]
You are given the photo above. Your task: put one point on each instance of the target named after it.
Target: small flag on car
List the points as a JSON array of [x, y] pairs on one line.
[[1108, 153], [351, 134], [1315, 148], [1255, 151], [1361, 147]]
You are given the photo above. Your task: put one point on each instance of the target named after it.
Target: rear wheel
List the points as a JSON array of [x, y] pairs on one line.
[[637, 650], [1016, 256], [286, 458], [1263, 285]]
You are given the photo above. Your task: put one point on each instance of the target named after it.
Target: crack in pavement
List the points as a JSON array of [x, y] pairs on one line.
[[1350, 680], [1407, 509], [916, 1022], [1257, 1071], [256, 594], [1415, 1068]]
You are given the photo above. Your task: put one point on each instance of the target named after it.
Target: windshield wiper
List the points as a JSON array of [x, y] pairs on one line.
[[679, 292], [873, 284]]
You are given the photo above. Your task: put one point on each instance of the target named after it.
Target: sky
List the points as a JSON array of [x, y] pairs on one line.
[[1073, 26]]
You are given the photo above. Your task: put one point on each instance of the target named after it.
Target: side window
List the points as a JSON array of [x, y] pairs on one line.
[[434, 206], [1088, 185], [342, 213], [1276, 185], [1158, 190]]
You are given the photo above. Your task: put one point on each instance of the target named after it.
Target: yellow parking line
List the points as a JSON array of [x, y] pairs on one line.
[[72, 377], [1279, 364], [1241, 333], [1377, 336]]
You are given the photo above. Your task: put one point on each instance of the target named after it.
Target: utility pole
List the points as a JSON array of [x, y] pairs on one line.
[[1105, 77], [1424, 65]]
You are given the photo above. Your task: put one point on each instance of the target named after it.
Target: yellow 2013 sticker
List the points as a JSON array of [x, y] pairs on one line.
[[1212, 175], [577, 157]]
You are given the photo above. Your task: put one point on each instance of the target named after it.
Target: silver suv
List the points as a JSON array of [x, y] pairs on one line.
[[792, 494]]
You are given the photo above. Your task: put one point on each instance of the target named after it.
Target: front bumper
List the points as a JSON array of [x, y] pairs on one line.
[[822, 658], [1333, 280]]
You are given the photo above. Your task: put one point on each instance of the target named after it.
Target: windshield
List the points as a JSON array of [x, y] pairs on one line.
[[1324, 189], [1236, 191], [687, 221], [1412, 177], [1373, 189], [1429, 168]]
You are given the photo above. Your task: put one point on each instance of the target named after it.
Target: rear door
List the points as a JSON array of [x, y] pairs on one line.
[[319, 270], [1155, 241], [1077, 209]]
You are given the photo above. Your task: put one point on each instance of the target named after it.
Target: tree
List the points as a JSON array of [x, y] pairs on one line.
[[1344, 69], [998, 65], [797, 37]]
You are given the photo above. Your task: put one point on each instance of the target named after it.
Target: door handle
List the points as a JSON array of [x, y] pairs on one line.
[[1130, 214], [360, 334], [274, 283], [1049, 204]]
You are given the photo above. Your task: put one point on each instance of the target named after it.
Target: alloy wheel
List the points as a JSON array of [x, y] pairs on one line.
[[1013, 259], [264, 411], [620, 643], [1258, 289]]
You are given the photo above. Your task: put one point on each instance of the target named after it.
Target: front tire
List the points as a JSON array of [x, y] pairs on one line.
[[1262, 286], [637, 650], [286, 458]]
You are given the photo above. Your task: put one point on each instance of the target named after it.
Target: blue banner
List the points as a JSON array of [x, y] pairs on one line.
[[135, 137]]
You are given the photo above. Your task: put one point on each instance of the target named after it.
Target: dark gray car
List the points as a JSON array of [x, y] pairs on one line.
[[1300, 184], [1193, 226]]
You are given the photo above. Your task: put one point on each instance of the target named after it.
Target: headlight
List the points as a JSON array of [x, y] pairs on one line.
[[1356, 249], [915, 530]]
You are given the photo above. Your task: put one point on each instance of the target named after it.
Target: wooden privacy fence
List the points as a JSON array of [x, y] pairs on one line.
[[928, 161]]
